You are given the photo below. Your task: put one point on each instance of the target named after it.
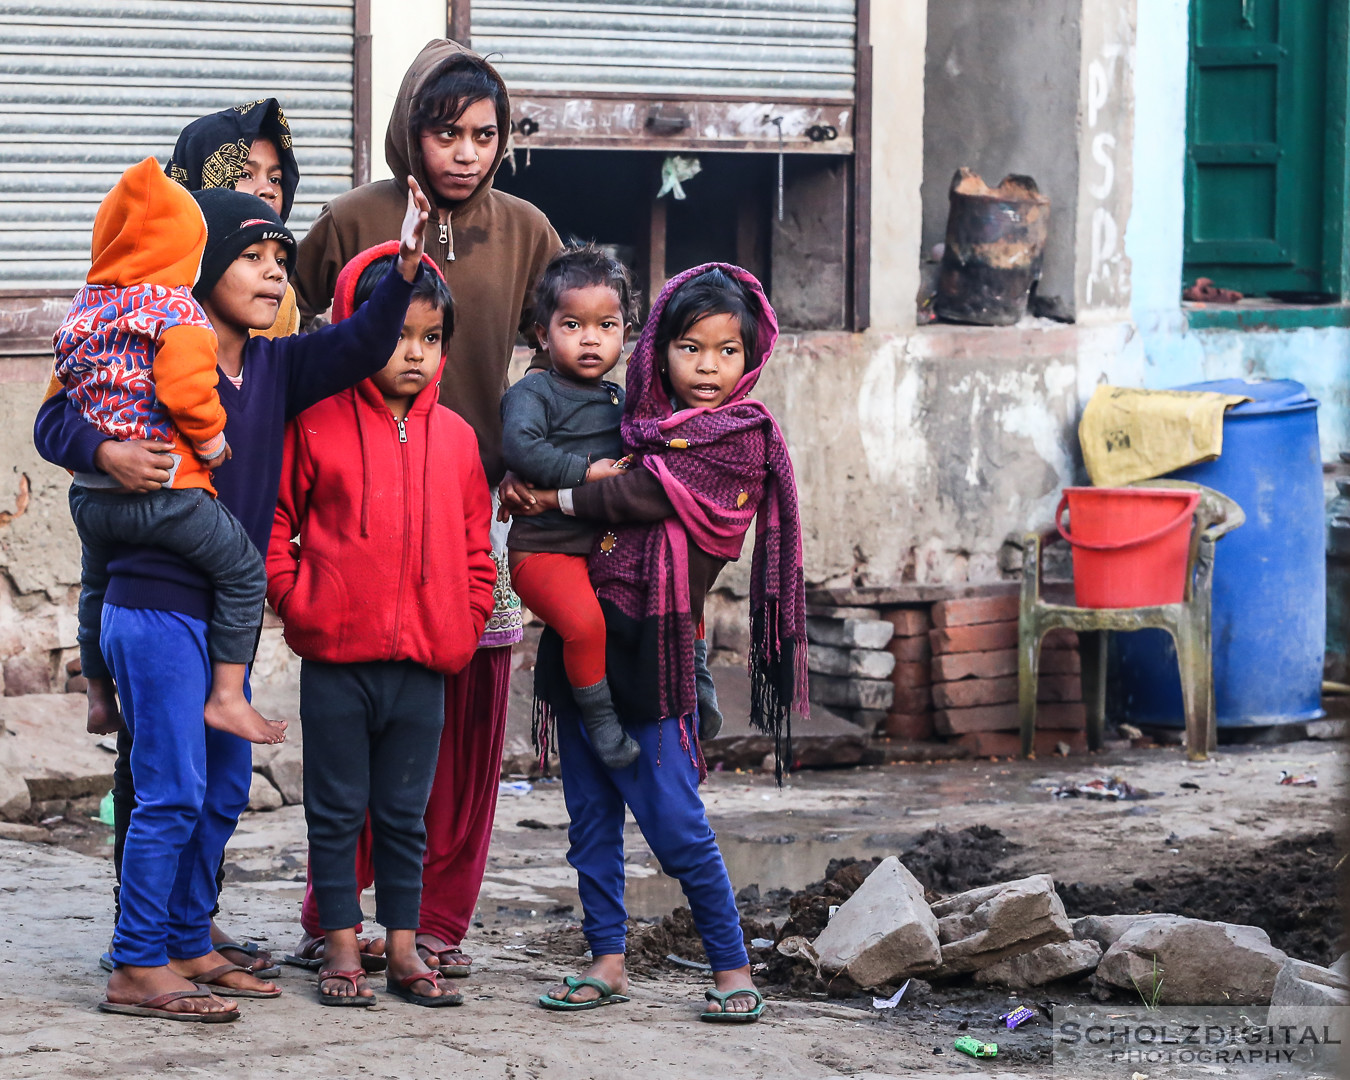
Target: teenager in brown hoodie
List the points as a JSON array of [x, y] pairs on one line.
[[448, 129]]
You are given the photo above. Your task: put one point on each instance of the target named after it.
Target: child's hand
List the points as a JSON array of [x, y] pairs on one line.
[[603, 469], [413, 237], [517, 497]]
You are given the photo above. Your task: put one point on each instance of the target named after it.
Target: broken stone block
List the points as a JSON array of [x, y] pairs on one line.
[[262, 795], [883, 932], [980, 927], [865, 663], [1195, 962], [14, 797], [1105, 930], [27, 675], [852, 693], [1342, 966], [285, 770], [850, 633], [1302, 984], [1049, 963]]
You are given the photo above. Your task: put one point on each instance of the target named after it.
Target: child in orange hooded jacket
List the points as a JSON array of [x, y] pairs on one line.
[[380, 566], [136, 355]]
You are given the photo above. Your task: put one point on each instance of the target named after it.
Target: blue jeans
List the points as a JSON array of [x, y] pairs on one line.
[[191, 783], [665, 803]]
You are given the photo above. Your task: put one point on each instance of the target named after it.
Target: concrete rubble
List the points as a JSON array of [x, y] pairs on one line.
[[1049, 963], [1300, 984], [884, 932], [980, 927], [262, 795], [1171, 960], [1105, 930]]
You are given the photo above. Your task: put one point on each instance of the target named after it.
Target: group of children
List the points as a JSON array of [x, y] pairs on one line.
[[199, 450]]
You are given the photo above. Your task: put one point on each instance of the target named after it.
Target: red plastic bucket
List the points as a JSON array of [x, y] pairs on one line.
[[1130, 545]]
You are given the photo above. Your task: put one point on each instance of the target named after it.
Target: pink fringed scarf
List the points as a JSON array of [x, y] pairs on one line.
[[723, 469]]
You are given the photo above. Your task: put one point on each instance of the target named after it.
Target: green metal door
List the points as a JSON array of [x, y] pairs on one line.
[[1255, 143]]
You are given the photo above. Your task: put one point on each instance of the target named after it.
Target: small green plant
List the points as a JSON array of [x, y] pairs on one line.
[[1150, 999]]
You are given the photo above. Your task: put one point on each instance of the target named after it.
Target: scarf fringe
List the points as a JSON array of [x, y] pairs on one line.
[[775, 667], [541, 732]]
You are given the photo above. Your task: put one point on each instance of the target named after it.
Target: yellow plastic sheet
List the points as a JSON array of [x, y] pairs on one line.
[[1130, 435]]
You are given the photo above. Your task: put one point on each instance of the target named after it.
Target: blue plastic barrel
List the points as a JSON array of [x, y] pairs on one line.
[[1269, 575]]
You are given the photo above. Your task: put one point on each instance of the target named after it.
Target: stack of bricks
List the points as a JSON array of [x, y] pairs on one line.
[[911, 713], [849, 665], [974, 680]]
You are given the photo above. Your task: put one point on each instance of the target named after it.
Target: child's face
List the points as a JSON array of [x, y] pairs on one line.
[[262, 174], [705, 364], [457, 156], [417, 356], [585, 335], [250, 291]]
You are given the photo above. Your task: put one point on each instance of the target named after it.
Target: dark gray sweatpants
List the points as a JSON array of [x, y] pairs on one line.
[[372, 732], [191, 523]]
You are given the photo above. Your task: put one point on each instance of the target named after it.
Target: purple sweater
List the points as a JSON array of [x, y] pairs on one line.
[[282, 378]]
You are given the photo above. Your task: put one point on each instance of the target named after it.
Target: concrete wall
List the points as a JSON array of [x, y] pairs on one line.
[[1173, 353], [997, 100]]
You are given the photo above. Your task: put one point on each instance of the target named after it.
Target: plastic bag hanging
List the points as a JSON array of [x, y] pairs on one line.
[[674, 171]]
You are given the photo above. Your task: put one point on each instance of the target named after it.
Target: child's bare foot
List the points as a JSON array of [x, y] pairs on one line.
[[342, 952], [407, 970], [238, 717], [608, 968], [104, 715], [730, 981], [133, 985], [437, 954], [229, 983]]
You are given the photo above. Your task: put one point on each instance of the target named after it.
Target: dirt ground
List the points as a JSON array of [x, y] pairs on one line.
[[1226, 821]]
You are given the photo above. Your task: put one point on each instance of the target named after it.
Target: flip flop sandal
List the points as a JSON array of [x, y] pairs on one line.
[[212, 979], [155, 1007], [352, 1001], [256, 956], [370, 963], [447, 971], [724, 1017], [566, 1004], [402, 988], [106, 963]]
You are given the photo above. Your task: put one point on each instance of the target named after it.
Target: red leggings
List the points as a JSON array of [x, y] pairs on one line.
[[557, 588]]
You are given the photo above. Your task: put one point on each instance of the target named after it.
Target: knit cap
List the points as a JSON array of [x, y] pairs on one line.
[[234, 221]]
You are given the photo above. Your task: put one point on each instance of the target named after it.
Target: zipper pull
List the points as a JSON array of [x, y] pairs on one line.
[[445, 233], [402, 431]]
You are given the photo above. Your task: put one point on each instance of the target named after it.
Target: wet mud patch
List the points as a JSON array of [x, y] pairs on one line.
[[1291, 889]]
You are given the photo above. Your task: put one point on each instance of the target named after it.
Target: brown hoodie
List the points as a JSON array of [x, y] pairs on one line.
[[497, 246]]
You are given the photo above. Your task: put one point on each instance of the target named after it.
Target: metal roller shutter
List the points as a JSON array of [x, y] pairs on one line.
[[781, 50], [88, 87]]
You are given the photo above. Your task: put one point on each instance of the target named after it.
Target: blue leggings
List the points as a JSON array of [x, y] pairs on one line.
[[191, 785], [666, 805]]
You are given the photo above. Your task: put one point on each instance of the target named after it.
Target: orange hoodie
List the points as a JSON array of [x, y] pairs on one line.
[[136, 353]]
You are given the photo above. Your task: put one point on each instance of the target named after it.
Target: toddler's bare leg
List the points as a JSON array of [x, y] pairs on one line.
[[227, 709], [104, 715]]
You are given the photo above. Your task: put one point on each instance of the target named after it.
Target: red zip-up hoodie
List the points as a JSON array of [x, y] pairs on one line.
[[393, 560]]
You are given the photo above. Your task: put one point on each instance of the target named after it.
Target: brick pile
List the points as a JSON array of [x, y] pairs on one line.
[[974, 680], [849, 666], [910, 716]]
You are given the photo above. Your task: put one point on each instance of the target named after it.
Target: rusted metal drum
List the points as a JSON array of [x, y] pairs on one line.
[[995, 243]]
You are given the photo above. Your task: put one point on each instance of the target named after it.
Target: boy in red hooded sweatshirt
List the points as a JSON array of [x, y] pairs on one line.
[[385, 593]]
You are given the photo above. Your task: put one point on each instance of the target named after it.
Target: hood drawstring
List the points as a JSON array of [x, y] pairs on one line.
[[367, 474]]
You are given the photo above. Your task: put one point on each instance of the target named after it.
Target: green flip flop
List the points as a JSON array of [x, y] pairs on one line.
[[565, 1004], [724, 1017]]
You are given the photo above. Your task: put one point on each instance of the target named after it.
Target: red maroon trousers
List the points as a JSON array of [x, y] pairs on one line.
[[462, 804]]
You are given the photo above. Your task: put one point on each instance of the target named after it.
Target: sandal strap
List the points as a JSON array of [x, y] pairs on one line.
[[350, 976], [248, 948], [176, 995], [721, 996], [420, 976], [576, 982], [217, 973]]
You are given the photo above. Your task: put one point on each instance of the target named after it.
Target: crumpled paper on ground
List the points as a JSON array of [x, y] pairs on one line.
[[1130, 434]]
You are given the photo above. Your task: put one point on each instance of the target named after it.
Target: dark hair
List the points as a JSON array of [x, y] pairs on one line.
[[580, 266], [714, 292], [429, 286], [443, 98]]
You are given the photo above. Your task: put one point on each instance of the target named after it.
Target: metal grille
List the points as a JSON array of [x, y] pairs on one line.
[[781, 50], [88, 87]]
